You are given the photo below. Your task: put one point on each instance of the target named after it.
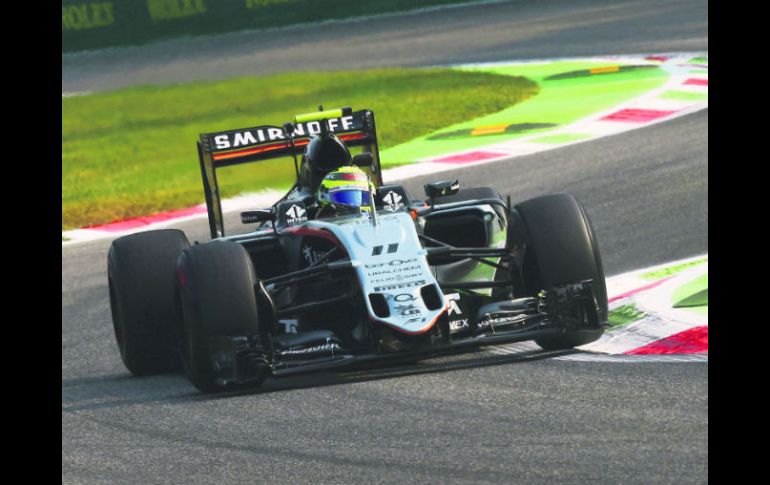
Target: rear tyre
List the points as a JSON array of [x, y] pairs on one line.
[[561, 248], [216, 294], [140, 274]]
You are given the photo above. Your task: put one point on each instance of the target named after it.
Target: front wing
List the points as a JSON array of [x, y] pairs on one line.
[[252, 358]]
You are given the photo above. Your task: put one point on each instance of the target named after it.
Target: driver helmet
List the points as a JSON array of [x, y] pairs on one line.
[[348, 186]]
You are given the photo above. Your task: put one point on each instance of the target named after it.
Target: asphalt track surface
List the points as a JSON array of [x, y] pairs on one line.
[[473, 418], [522, 29]]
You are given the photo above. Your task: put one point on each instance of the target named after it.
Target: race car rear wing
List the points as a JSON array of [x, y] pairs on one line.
[[227, 148]]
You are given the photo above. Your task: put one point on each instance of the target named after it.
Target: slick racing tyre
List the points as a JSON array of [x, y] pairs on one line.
[[216, 294], [561, 248], [140, 274]]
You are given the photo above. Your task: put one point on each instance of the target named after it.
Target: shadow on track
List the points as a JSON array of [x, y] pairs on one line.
[[374, 372], [92, 393]]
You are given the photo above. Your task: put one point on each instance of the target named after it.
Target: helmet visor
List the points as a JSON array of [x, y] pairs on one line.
[[350, 197]]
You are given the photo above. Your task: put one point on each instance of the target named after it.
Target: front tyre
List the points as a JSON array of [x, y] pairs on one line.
[[560, 249], [216, 293], [140, 274]]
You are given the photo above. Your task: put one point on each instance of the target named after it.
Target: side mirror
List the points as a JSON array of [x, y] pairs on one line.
[[363, 160], [259, 215], [442, 188]]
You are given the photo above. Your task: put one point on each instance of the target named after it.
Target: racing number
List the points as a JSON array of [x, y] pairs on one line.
[[377, 250]]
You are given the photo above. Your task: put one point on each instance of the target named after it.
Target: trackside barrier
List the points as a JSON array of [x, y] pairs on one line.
[[93, 24]]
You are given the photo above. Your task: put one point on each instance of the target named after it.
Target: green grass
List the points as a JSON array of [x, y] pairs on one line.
[[132, 152]]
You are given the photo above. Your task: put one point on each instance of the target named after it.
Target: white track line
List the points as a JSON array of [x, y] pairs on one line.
[[634, 359]]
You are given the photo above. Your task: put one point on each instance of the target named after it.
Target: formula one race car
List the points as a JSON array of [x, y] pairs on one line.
[[322, 286]]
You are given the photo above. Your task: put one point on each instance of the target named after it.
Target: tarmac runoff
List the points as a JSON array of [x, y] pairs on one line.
[[685, 91]]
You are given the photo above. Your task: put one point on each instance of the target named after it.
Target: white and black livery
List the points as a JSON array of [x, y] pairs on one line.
[[312, 289]]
